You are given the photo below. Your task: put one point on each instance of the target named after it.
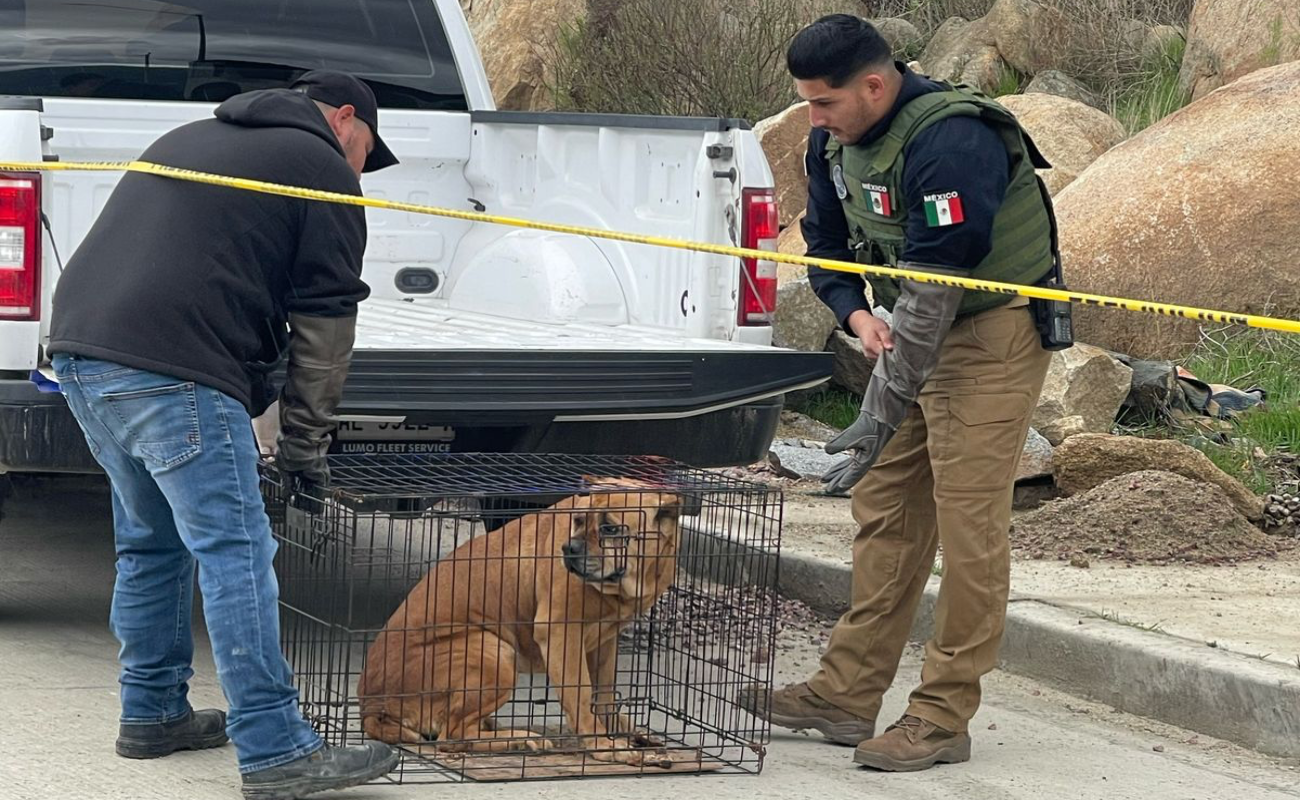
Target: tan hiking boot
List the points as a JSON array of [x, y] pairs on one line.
[[913, 744], [797, 708]]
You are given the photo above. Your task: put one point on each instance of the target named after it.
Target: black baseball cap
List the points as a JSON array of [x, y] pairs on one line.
[[339, 89]]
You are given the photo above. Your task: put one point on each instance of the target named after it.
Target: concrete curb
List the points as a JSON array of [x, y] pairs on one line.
[[1177, 681]]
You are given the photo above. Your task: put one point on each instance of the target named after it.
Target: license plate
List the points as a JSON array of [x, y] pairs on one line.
[[349, 431]]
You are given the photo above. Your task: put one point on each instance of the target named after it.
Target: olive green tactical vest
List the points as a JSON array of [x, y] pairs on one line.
[[869, 179]]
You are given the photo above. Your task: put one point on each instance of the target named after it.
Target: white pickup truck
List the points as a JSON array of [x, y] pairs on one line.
[[477, 337]]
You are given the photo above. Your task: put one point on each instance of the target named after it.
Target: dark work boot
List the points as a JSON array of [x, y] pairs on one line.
[[198, 731], [327, 768]]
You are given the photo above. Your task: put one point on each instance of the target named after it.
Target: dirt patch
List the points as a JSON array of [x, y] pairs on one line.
[[1147, 517]]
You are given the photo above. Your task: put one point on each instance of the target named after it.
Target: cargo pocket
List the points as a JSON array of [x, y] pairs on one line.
[[161, 423], [983, 439]]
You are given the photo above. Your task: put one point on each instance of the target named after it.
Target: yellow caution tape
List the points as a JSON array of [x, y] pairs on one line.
[[1041, 292]]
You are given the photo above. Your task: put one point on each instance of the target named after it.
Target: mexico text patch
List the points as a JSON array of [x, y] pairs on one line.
[[878, 199], [943, 209]]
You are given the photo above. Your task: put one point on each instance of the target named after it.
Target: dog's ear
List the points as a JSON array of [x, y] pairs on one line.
[[681, 504]]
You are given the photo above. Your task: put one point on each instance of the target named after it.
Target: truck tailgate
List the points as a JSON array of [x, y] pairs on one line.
[[433, 363]]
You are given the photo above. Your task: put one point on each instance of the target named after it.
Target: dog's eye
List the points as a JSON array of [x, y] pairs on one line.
[[610, 531]]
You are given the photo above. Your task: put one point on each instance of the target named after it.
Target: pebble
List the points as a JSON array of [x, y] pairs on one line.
[[1282, 510]]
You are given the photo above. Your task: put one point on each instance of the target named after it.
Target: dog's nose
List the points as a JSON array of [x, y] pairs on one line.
[[574, 547]]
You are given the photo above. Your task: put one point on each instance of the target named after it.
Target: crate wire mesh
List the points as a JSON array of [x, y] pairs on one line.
[[511, 616]]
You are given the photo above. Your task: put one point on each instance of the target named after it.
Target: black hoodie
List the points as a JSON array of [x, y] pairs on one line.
[[196, 281]]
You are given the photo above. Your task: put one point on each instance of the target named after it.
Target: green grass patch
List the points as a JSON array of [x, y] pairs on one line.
[[1154, 92], [1240, 461], [1248, 447], [835, 407], [1246, 358], [1010, 81]]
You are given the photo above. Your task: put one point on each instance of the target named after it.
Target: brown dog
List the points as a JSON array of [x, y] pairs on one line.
[[548, 592]]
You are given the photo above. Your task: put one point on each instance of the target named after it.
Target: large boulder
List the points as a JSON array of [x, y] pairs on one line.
[[964, 52], [784, 138], [1035, 458], [802, 321], [1231, 38], [850, 367], [791, 243], [1017, 34], [903, 37], [1053, 81], [1024, 32], [512, 36], [1083, 462], [1083, 392], [1200, 209], [1070, 134]]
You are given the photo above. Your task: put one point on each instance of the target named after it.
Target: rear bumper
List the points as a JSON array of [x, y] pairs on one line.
[[454, 387], [43, 436], [703, 409], [38, 433]]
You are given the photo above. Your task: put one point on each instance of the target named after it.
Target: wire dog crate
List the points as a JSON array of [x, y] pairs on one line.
[[515, 617]]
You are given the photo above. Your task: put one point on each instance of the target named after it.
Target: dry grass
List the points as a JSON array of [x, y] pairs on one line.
[[727, 57], [926, 15], [681, 57]]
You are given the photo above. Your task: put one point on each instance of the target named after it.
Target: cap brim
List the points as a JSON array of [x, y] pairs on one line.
[[379, 157]]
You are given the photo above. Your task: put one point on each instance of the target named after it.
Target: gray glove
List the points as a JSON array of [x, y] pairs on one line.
[[320, 352], [923, 316]]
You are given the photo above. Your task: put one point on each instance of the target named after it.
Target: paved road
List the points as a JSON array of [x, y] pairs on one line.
[[58, 708]]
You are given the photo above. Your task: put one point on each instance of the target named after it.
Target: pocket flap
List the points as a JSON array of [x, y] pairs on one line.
[[982, 409]]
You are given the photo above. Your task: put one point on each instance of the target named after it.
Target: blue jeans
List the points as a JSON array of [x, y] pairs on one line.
[[182, 461]]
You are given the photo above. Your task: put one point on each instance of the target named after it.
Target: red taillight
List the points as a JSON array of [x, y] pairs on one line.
[[20, 246], [758, 277]]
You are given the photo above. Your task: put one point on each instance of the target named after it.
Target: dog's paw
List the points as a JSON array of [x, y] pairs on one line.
[[620, 725], [624, 750], [537, 744]]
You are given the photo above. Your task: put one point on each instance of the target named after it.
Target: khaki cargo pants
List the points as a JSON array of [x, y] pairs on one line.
[[946, 476]]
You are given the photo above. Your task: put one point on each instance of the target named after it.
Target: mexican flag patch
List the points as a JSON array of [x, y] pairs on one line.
[[943, 209], [878, 197]]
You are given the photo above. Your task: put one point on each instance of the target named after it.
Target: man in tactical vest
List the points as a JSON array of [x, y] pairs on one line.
[[912, 173]]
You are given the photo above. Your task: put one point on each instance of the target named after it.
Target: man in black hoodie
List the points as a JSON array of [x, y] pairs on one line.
[[167, 322]]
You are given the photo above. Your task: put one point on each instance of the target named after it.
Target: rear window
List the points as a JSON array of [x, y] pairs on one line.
[[209, 50]]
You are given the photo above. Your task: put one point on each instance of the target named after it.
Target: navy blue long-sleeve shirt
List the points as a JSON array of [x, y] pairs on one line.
[[958, 154]]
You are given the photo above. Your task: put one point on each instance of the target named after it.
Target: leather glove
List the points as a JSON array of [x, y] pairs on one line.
[[923, 316], [320, 352]]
